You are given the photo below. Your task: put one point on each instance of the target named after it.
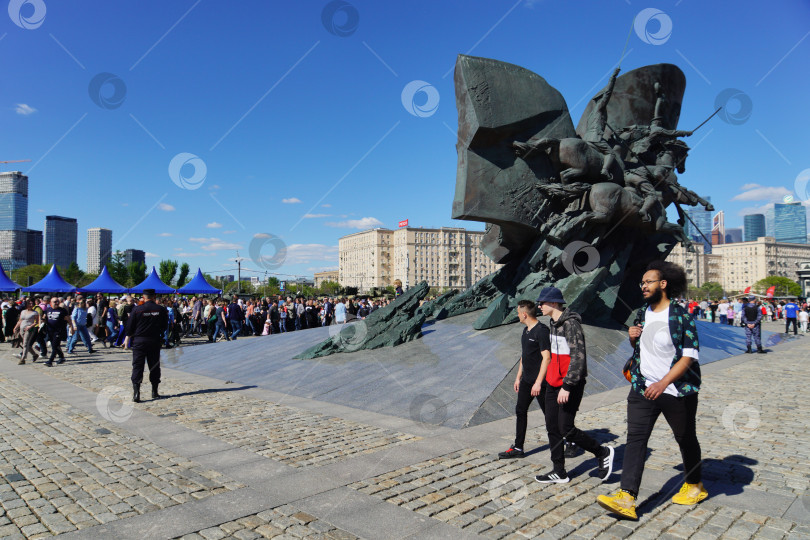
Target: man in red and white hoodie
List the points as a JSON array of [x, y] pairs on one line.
[[565, 379]]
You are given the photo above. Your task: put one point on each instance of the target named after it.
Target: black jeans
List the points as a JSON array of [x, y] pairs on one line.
[[524, 400], [560, 424], [788, 321], [642, 413]]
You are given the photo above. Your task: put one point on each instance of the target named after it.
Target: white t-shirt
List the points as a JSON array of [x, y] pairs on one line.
[[657, 349], [94, 314], [803, 316], [723, 308]]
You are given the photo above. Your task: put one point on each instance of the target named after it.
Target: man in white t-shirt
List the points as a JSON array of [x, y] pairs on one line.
[[722, 309], [665, 378]]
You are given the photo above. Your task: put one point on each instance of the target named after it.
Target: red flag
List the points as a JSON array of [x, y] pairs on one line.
[[403, 223], [770, 291], [747, 290]]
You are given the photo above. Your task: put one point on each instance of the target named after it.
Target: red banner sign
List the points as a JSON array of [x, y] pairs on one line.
[[403, 223], [770, 291], [747, 290]]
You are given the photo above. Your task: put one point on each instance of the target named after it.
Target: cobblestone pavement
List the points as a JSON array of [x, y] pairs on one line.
[[284, 521], [64, 470], [292, 436], [70, 465]]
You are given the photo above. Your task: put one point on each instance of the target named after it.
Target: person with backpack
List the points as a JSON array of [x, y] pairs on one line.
[[665, 378]]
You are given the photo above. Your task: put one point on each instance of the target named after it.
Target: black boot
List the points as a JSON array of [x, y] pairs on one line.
[[760, 350], [136, 393], [749, 351], [155, 394]]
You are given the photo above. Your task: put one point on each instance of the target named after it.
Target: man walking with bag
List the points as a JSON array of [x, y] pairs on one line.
[[665, 378]]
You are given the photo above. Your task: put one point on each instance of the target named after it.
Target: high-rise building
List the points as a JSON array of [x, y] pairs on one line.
[[754, 225], [703, 219], [133, 256], [790, 222], [13, 220], [446, 257], [33, 252], [61, 238], [734, 235], [99, 249]]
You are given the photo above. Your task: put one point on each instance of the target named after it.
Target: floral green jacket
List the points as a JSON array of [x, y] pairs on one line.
[[683, 331]]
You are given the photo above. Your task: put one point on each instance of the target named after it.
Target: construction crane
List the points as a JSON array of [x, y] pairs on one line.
[[15, 161]]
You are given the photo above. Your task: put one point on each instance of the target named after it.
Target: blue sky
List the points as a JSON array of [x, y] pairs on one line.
[[299, 128]]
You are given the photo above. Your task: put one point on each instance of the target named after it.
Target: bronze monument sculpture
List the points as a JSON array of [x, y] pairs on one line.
[[583, 209]]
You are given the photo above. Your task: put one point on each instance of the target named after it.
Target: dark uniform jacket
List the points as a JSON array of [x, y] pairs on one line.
[[147, 321]]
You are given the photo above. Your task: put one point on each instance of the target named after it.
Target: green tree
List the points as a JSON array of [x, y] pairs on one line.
[[166, 271], [234, 286], [330, 288], [712, 289], [34, 271], [784, 286], [118, 268], [136, 273], [184, 270], [72, 274], [85, 280]]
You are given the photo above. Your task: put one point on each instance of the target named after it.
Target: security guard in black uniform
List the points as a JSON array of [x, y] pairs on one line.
[[145, 328]]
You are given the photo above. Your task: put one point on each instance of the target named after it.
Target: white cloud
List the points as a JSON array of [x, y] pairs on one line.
[[305, 253], [150, 254], [746, 187], [755, 209], [291, 200], [166, 207], [315, 216], [315, 269], [770, 194], [125, 204], [326, 206], [212, 244], [228, 232], [213, 187], [40, 210], [214, 225], [364, 223], [165, 234], [24, 109], [187, 254]]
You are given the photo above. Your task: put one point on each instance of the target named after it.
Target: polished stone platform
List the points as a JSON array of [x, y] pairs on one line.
[[454, 376]]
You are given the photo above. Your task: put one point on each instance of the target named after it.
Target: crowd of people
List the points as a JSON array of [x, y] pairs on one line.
[[32, 322], [725, 311]]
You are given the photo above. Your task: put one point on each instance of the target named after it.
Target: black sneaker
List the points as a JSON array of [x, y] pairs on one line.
[[60, 361], [511, 453], [605, 466], [48, 364], [552, 478], [572, 450]]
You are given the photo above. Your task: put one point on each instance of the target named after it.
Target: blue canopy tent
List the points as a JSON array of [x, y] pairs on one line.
[[152, 281], [104, 283], [6, 285], [198, 285], [52, 282]]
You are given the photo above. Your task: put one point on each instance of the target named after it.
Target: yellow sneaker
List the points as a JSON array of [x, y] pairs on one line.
[[621, 503], [690, 494]]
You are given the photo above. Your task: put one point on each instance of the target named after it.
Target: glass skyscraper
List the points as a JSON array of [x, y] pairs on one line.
[[703, 219], [754, 227], [13, 220], [790, 223], [61, 239]]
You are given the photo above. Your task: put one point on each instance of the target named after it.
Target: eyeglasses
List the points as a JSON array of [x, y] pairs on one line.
[[648, 282]]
